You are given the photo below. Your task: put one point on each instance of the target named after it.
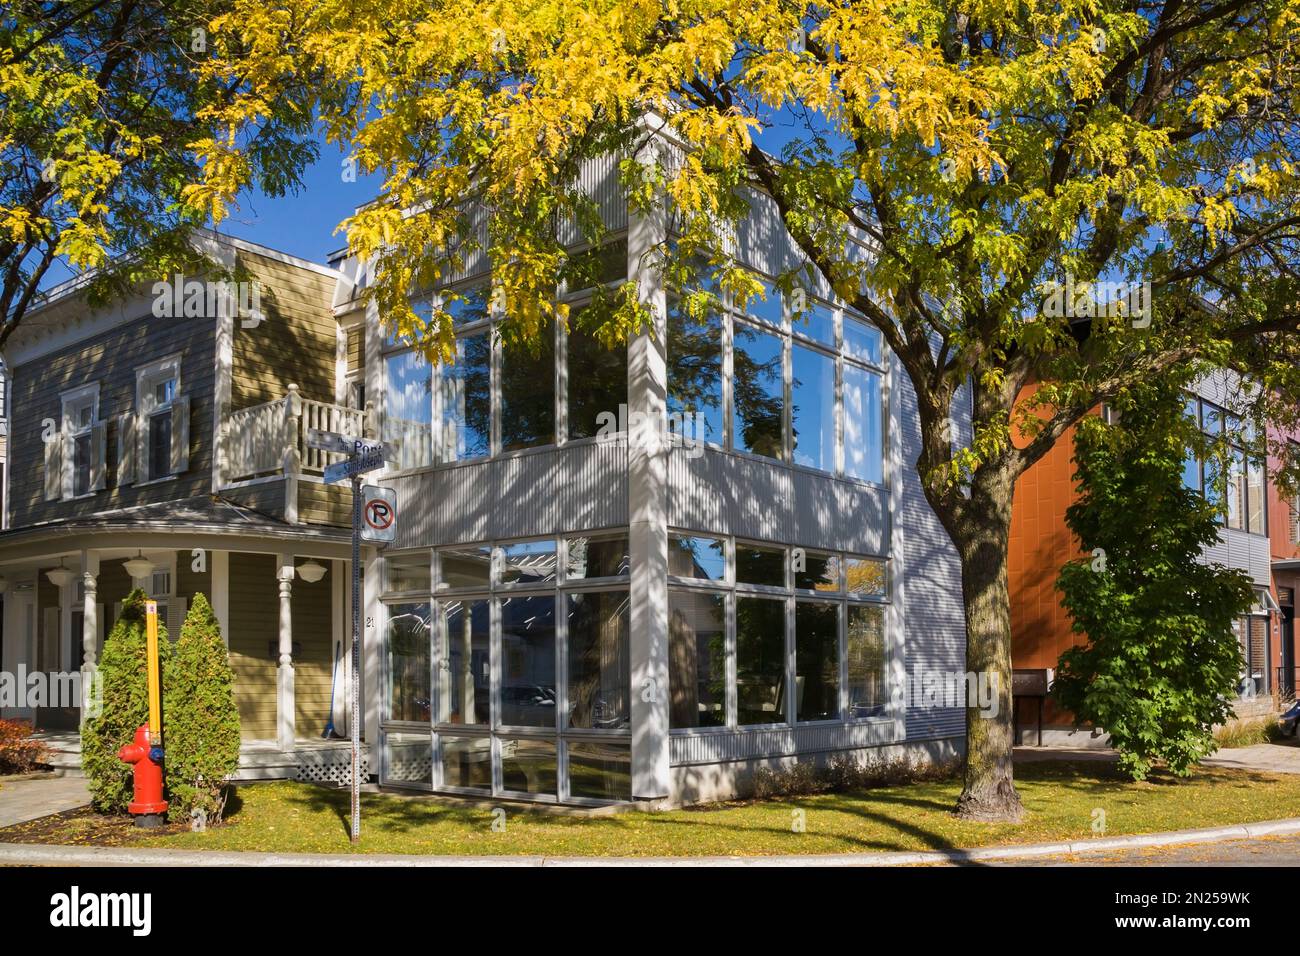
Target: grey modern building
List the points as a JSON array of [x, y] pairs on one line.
[[583, 606]]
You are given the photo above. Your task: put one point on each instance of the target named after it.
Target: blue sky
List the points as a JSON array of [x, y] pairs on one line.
[[303, 225]]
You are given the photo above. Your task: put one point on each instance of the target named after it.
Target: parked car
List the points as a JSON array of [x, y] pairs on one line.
[[1291, 721]]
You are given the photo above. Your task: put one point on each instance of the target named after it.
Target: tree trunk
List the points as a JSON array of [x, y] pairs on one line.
[[982, 539]]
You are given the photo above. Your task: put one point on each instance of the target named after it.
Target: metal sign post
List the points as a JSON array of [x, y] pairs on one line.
[[355, 727], [363, 456]]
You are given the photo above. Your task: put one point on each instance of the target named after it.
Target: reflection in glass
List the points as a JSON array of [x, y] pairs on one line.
[[864, 446], [866, 661], [408, 412], [407, 572], [695, 372], [758, 392], [467, 400], [1255, 496], [407, 666], [865, 576], [820, 572], [694, 556], [528, 392], [862, 341], [817, 322], [597, 558], [599, 667], [766, 306], [530, 562], [466, 762], [528, 686], [813, 408], [760, 661], [408, 759], [597, 380], [464, 671], [759, 565], [465, 567], [467, 305], [697, 661], [816, 661], [1237, 489], [529, 766], [599, 770]]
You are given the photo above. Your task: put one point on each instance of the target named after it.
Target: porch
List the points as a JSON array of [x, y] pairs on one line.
[[279, 594]]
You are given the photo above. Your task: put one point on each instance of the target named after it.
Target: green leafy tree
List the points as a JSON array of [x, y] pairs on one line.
[[201, 735], [125, 706], [98, 103], [1161, 661]]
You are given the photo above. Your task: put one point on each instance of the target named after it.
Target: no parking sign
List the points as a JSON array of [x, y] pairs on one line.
[[378, 514]]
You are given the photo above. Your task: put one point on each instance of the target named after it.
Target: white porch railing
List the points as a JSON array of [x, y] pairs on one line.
[[271, 437]]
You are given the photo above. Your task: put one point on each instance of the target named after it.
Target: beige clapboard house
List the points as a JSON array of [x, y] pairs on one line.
[[159, 442]]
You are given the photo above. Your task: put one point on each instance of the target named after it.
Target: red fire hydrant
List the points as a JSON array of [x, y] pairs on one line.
[[146, 761]]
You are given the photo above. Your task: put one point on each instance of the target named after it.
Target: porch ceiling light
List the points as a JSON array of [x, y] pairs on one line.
[[139, 566], [311, 571], [60, 577]]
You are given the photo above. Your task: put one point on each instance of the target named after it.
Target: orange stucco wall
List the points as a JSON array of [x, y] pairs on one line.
[[1040, 544]]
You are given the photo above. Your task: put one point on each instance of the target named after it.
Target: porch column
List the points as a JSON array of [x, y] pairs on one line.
[[284, 699], [647, 485], [90, 698]]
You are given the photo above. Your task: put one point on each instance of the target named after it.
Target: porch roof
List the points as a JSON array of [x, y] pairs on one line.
[[200, 517]]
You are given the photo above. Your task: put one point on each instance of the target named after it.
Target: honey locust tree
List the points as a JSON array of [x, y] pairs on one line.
[[98, 104], [982, 149]]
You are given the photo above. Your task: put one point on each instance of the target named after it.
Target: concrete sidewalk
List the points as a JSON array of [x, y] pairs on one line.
[[17, 854], [24, 800]]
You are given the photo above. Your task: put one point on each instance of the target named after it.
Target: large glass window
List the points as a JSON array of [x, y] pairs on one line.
[[1231, 481], [529, 766], [407, 664], [862, 341], [695, 373], [756, 564], [528, 686], [866, 657], [816, 571], [465, 567], [760, 660], [597, 558], [599, 668], [597, 380], [407, 572], [408, 417], [467, 762], [813, 408], [600, 770], [528, 392], [865, 577], [464, 673], [758, 392], [693, 556], [864, 445], [816, 661], [529, 562], [467, 399], [817, 321], [697, 658]]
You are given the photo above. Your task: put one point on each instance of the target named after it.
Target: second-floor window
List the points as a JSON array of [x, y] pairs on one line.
[[1234, 481], [75, 463], [160, 444]]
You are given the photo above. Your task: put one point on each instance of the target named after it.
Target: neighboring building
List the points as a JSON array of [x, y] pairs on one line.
[[1284, 534], [569, 617], [167, 453], [1041, 544]]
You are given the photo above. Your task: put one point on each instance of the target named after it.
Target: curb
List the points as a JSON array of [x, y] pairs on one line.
[[20, 854]]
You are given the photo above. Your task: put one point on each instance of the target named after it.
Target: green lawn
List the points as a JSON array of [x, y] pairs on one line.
[[1060, 798]]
